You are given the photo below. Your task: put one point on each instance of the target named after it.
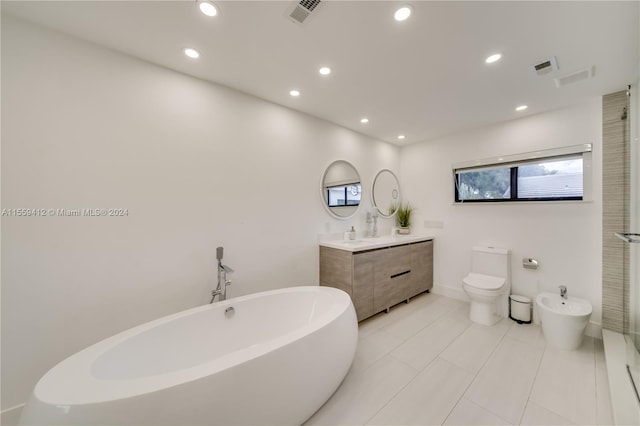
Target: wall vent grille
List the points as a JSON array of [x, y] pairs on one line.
[[545, 67], [309, 4], [302, 10]]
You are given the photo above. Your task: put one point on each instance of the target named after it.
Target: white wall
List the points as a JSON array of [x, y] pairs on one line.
[[197, 166], [565, 237]]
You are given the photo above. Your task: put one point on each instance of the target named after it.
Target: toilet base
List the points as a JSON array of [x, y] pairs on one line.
[[483, 313]]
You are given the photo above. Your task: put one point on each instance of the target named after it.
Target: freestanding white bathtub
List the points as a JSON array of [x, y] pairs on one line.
[[274, 361]]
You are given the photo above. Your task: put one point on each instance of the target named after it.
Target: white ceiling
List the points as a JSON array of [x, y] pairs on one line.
[[424, 77]]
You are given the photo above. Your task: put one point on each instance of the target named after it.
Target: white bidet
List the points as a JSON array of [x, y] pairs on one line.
[[564, 319]]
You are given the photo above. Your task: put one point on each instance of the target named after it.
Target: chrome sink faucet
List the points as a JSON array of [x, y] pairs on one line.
[[563, 291], [223, 281]]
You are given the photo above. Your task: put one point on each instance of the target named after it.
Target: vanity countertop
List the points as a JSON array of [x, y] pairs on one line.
[[370, 243]]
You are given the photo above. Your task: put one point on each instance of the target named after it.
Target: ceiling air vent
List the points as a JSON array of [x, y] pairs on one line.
[[545, 67], [302, 10], [574, 77]]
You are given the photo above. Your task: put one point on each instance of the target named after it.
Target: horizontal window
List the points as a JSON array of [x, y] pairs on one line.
[[344, 195], [542, 176]]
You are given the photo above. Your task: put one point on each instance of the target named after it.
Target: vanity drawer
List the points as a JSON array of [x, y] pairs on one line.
[[392, 277], [380, 278]]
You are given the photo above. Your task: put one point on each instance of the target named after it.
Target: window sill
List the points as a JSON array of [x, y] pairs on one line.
[[497, 203]]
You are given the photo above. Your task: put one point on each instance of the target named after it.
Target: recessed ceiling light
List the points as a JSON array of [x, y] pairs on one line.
[[208, 8], [403, 13], [400, 137], [192, 53], [294, 93], [493, 58], [521, 108], [364, 120], [325, 70]]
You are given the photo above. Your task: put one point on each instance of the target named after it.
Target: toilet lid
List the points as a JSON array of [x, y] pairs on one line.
[[485, 282]]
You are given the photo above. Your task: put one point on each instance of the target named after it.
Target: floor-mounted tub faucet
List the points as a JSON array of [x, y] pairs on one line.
[[223, 281], [563, 291]]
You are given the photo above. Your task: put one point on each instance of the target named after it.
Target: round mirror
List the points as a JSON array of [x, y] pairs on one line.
[[341, 189], [385, 193]]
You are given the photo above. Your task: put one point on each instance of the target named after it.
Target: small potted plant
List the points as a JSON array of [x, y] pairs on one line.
[[403, 218]]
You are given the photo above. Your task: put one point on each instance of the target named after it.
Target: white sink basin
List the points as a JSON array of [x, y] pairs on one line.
[[366, 243], [563, 320]]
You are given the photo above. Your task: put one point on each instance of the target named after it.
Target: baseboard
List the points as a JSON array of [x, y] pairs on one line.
[[11, 416], [453, 293]]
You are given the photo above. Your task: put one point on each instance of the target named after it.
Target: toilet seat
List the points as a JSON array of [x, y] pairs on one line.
[[488, 285], [484, 282]]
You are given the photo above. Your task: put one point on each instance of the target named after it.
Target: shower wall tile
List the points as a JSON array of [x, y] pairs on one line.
[[615, 211]]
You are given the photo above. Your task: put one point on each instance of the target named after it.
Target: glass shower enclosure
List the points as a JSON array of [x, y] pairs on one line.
[[631, 305], [632, 309]]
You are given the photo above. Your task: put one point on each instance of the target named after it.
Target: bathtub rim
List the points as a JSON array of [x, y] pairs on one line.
[[79, 365]]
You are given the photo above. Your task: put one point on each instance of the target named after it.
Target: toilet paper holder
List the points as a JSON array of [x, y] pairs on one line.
[[529, 263]]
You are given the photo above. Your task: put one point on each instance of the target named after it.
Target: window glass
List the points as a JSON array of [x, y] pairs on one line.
[[551, 179], [354, 192], [490, 184], [336, 196], [344, 195]]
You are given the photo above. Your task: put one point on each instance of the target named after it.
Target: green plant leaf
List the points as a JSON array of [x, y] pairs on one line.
[[403, 216]]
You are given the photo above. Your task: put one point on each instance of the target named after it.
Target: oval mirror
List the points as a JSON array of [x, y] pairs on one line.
[[341, 189], [385, 193]]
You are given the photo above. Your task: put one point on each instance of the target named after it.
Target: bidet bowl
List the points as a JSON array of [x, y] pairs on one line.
[[563, 320]]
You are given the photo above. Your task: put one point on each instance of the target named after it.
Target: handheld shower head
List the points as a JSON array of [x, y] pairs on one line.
[[219, 253]]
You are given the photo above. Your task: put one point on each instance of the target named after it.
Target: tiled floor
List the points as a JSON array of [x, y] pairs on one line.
[[425, 363]]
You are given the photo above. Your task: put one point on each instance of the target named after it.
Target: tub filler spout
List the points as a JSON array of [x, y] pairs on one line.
[[223, 281]]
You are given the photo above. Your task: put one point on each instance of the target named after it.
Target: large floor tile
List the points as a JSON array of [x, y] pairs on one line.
[[566, 383], [604, 414], [428, 399], [503, 385], [417, 302], [378, 321], [363, 393], [535, 415], [426, 363], [397, 312], [412, 323], [369, 351], [419, 350], [384, 338], [472, 349], [468, 413], [529, 333]]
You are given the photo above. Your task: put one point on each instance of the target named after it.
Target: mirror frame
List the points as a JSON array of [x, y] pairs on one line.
[[385, 214], [322, 194]]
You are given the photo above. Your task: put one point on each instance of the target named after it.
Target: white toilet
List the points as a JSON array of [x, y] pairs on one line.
[[488, 285]]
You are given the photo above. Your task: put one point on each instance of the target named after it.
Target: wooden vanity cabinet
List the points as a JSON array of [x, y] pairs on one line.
[[380, 278], [421, 277]]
